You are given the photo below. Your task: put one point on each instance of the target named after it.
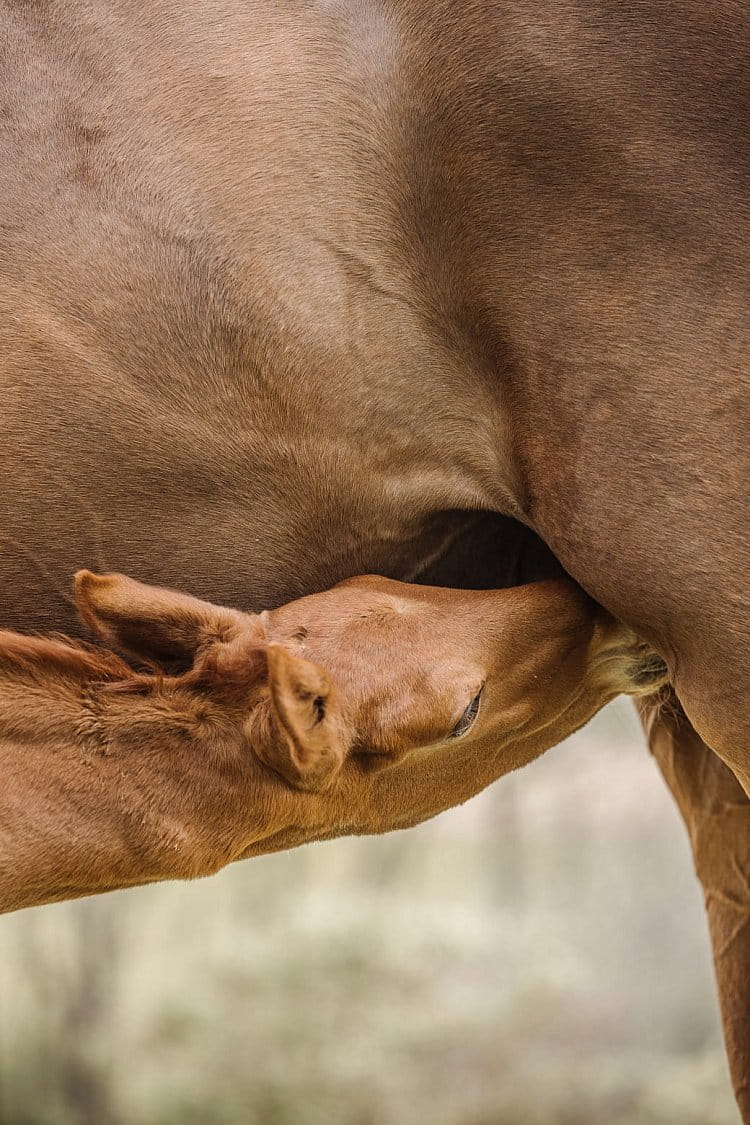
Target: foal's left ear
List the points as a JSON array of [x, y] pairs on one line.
[[308, 741], [150, 622]]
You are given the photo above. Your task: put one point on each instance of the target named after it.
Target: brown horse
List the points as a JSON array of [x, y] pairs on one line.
[[367, 708], [289, 292]]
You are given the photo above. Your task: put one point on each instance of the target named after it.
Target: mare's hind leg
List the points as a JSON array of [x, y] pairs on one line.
[[716, 811]]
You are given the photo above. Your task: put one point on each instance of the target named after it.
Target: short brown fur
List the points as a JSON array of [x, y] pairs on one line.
[[329, 715]]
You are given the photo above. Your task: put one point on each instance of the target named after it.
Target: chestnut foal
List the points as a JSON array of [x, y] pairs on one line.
[[366, 708]]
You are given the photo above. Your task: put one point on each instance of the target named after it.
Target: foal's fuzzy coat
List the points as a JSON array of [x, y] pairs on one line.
[[366, 708]]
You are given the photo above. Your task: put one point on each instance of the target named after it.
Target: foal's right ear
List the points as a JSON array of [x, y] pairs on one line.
[[308, 741], [150, 622]]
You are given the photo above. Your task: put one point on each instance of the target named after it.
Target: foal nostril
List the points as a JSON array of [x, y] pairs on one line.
[[648, 671], [644, 669], [631, 666]]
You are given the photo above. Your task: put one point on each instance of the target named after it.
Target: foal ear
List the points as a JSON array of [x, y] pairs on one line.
[[309, 740], [150, 622]]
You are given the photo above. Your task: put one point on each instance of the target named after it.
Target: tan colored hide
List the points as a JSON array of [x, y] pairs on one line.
[[716, 812], [368, 707]]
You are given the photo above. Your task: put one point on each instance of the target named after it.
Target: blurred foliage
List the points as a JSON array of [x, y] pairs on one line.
[[537, 957]]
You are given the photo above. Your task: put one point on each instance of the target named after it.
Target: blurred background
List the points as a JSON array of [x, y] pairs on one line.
[[536, 957]]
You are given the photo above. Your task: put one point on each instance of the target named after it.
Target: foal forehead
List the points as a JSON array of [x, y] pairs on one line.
[[352, 605], [386, 609], [363, 615]]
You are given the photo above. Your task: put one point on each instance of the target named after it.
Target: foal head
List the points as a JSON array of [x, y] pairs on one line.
[[363, 709], [367, 673]]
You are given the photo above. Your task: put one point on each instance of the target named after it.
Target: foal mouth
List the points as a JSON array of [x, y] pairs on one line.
[[647, 671], [634, 668]]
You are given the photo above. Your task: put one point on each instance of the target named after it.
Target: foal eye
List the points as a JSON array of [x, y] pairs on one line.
[[466, 722]]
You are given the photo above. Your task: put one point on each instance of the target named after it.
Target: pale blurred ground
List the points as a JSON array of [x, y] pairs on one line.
[[537, 957]]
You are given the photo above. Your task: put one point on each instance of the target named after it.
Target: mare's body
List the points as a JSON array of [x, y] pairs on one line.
[[327, 273], [286, 289]]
